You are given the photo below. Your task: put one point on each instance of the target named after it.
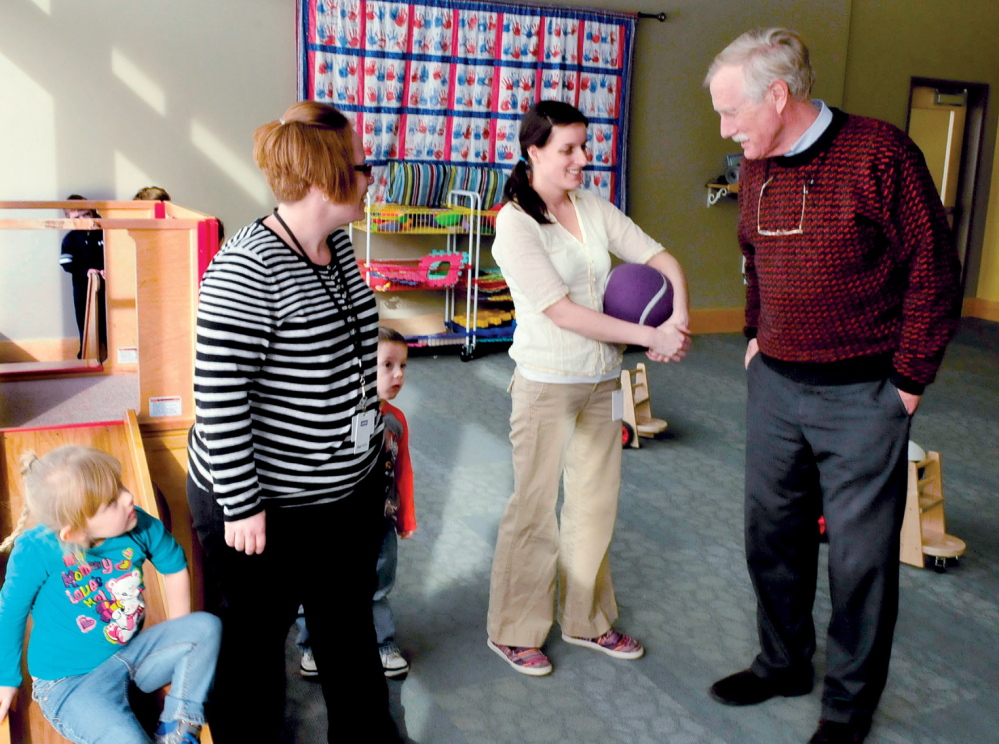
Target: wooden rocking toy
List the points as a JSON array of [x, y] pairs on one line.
[[924, 535], [638, 420]]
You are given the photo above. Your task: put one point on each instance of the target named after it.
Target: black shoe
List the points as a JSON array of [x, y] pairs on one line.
[[748, 688], [833, 732]]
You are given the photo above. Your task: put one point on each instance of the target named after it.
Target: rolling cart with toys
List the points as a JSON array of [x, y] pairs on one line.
[[454, 272]]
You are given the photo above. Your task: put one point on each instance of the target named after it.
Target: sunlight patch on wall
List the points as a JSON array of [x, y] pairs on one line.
[[247, 178], [37, 296], [28, 145], [138, 81], [44, 5], [128, 177], [32, 285]]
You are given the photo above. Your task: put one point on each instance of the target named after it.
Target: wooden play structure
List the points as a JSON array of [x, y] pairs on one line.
[[159, 247], [924, 533], [91, 352], [155, 255], [638, 421]]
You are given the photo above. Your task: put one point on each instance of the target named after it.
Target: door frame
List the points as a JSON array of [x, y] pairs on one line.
[[971, 157]]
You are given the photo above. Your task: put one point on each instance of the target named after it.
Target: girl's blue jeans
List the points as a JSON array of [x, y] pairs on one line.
[[93, 707]]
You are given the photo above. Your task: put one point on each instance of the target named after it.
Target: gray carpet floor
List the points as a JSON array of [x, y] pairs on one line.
[[679, 573], [70, 400], [678, 569]]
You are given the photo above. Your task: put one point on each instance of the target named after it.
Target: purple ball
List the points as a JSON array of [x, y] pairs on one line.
[[639, 294]]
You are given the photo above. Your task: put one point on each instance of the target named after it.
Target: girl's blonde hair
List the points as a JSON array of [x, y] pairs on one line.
[[65, 488]]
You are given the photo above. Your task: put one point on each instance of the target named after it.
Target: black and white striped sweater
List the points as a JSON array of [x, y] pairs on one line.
[[276, 376]]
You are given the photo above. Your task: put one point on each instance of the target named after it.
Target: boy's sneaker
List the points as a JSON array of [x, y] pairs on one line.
[[524, 659], [308, 666], [611, 643], [393, 662], [178, 732]]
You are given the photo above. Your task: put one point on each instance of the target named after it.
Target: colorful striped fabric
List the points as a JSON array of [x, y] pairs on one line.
[[417, 184], [276, 384], [486, 182], [428, 184]]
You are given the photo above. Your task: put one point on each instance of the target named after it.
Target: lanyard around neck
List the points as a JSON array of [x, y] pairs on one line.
[[340, 298]]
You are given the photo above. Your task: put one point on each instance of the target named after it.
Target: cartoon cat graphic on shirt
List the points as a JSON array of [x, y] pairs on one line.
[[124, 614]]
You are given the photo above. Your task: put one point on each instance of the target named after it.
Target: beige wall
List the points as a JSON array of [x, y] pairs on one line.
[[102, 98], [111, 96]]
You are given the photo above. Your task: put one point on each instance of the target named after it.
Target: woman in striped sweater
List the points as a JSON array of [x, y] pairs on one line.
[[282, 486]]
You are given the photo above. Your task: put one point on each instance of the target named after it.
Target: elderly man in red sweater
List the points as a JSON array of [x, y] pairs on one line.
[[853, 294]]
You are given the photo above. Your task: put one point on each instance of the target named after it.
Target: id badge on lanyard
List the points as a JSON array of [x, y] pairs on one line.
[[361, 427]]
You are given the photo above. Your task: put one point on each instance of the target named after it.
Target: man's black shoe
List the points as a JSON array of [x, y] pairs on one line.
[[747, 688], [833, 732]]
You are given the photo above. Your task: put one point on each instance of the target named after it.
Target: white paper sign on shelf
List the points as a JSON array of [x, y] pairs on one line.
[[163, 406], [128, 355]]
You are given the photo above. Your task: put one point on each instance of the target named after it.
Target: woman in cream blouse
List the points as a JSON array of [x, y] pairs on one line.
[[553, 244]]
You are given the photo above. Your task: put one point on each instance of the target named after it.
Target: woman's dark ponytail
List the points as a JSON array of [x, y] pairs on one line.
[[535, 129], [518, 189]]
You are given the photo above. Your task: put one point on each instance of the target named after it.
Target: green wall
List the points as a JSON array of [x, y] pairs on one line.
[[891, 42], [675, 144]]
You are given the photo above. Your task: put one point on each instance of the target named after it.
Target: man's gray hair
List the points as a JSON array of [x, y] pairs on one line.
[[766, 55]]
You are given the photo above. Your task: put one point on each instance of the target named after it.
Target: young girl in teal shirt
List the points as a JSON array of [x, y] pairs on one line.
[[78, 573]]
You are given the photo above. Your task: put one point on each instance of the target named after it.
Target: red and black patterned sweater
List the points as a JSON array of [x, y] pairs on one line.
[[872, 285]]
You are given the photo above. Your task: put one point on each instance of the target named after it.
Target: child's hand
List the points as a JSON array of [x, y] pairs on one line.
[[7, 695], [406, 534]]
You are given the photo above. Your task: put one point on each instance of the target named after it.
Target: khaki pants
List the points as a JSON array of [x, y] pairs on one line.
[[557, 431]]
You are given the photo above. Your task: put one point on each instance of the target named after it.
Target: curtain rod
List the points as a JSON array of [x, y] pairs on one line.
[[661, 17]]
